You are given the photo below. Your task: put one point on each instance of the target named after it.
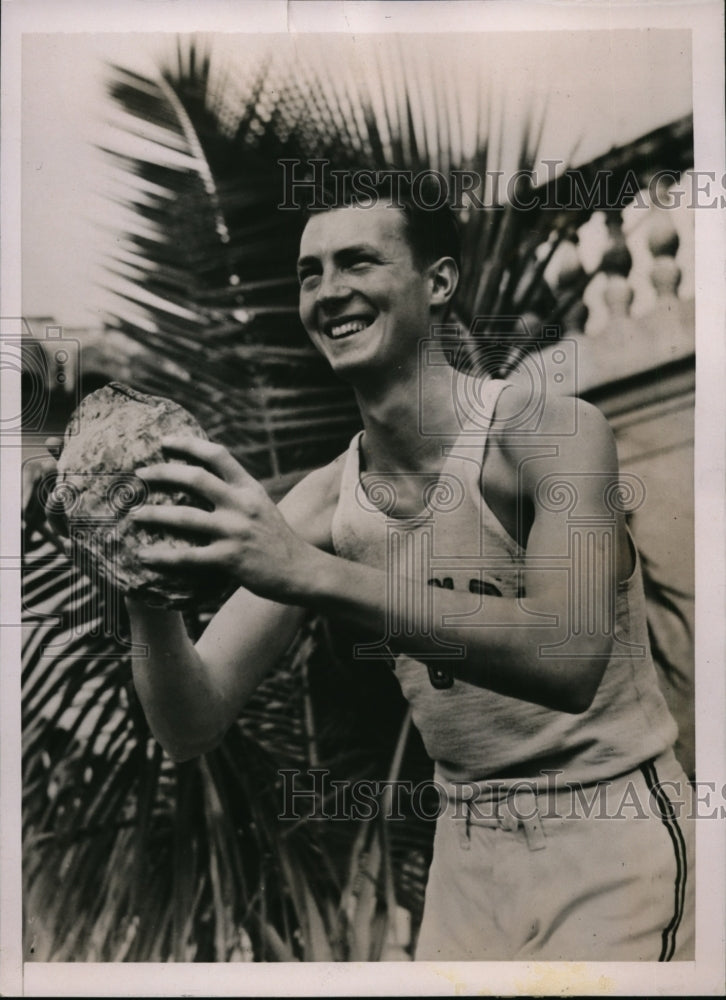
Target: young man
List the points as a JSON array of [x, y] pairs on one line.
[[478, 534]]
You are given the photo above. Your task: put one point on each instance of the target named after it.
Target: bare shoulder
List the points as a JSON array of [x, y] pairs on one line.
[[518, 411], [568, 450], [560, 432], [310, 505]]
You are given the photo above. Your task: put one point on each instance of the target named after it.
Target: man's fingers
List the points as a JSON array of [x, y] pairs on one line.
[[189, 477], [57, 523], [175, 517], [166, 556], [213, 456], [54, 446], [63, 544]]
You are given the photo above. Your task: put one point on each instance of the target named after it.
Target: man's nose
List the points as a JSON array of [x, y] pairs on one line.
[[333, 287]]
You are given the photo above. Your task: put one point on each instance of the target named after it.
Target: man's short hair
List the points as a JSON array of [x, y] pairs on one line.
[[431, 226]]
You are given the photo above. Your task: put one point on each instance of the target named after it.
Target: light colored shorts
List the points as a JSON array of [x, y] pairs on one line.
[[597, 873]]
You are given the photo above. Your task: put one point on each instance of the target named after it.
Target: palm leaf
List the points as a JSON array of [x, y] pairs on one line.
[[129, 856]]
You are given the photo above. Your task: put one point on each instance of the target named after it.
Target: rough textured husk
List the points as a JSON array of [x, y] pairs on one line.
[[115, 431]]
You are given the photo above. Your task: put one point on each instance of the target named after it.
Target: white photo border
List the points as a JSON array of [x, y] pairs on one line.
[[706, 974]]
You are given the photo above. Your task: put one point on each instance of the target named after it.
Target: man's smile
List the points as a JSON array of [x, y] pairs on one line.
[[345, 326]]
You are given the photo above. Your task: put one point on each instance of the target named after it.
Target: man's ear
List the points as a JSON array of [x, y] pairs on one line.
[[444, 277]]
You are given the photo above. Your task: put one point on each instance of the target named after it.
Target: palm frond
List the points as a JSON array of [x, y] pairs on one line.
[[154, 860]]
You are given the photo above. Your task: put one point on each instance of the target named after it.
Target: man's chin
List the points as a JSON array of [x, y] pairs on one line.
[[356, 348], [349, 364]]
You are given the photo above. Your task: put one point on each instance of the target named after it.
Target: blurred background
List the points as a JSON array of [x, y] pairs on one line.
[[154, 253]]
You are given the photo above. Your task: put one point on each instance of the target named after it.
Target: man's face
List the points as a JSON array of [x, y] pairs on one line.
[[363, 301]]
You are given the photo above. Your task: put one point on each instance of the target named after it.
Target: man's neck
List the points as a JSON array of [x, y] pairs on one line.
[[392, 412]]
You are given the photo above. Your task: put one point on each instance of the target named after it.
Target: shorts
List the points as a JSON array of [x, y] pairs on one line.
[[583, 873]]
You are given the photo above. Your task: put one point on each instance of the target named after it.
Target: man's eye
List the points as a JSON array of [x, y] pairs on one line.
[[305, 277]]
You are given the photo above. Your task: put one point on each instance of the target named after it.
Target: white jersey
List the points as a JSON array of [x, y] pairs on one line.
[[471, 733]]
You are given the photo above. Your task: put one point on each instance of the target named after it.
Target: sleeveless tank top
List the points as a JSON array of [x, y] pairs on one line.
[[471, 733]]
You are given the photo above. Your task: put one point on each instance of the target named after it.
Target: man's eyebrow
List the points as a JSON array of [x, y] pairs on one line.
[[345, 251], [358, 248]]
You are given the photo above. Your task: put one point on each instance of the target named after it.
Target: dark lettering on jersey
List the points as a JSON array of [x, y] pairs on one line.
[[476, 586]]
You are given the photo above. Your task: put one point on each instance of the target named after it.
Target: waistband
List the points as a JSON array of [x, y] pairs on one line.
[[530, 805], [551, 782]]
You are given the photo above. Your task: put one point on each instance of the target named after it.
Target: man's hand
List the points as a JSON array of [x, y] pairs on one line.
[[247, 538], [39, 506]]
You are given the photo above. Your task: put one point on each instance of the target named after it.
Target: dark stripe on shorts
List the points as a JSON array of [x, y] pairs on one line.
[[668, 818]]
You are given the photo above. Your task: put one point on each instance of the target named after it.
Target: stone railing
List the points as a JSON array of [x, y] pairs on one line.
[[639, 369]]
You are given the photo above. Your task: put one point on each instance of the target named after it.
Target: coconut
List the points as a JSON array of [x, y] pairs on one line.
[[115, 431]]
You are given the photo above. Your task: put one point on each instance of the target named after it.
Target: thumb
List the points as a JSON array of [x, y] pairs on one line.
[[54, 446]]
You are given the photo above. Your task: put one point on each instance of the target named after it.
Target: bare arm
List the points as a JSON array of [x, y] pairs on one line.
[[192, 694], [501, 640]]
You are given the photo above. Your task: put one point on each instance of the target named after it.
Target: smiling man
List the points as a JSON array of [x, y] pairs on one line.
[[477, 536]]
